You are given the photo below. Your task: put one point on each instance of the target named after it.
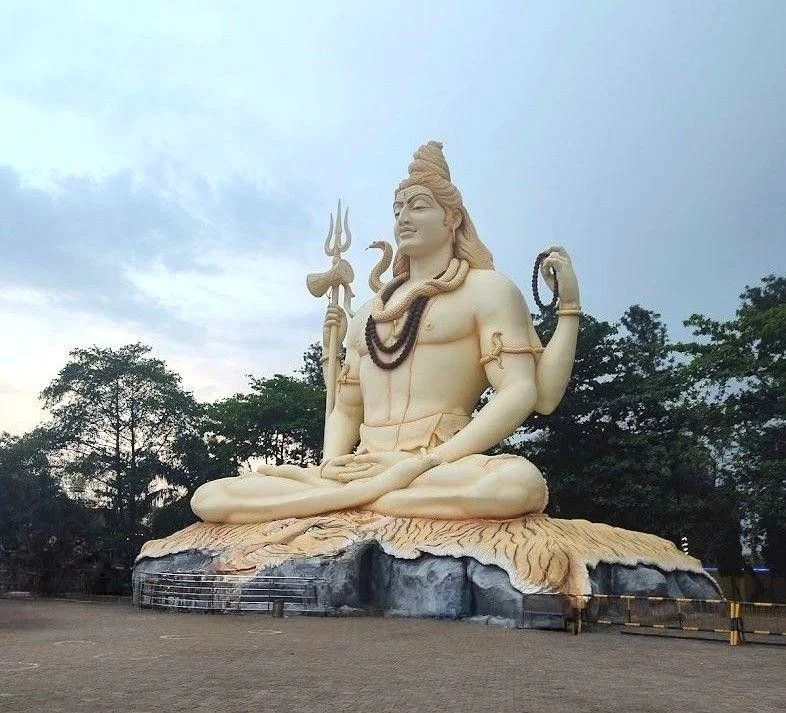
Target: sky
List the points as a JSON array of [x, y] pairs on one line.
[[168, 169]]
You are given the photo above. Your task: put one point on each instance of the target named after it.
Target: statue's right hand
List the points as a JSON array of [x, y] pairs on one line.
[[335, 317], [333, 468], [558, 263]]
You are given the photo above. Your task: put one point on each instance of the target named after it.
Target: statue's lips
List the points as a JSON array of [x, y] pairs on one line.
[[406, 233]]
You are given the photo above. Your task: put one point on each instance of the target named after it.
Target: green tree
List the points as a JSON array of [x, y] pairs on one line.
[[280, 420], [621, 447], [116, 415], [740, 367], [312, 367], [198, 457], [45, 536]]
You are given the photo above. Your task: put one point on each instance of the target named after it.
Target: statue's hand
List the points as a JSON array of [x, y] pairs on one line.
[[558, 260], [335, 317], [340, 468], [345, 469], [402, 473]]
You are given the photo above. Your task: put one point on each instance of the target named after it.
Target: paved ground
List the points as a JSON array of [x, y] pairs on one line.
[[73, 656]]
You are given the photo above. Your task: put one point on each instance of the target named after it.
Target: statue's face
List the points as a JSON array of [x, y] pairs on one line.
[[420, 222]]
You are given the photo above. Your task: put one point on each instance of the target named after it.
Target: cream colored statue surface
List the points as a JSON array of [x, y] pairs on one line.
[[403, 462], [418, 357]]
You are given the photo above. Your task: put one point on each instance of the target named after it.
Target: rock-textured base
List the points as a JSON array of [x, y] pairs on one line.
[[487, 571]]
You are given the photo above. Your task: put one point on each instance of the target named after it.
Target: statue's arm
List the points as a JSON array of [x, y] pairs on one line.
[[556, 364], [501, 317], [342, 430], [556, 361]]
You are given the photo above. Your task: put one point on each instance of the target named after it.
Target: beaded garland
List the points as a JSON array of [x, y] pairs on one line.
[[409, 333], [405, 342], [551, 305]]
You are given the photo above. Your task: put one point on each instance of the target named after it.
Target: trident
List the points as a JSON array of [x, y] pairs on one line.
[[339, 275]]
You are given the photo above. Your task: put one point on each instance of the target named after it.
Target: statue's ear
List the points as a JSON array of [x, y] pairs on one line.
[[456, 219]]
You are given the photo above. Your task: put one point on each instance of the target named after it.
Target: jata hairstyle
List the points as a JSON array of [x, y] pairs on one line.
[[430, 169]]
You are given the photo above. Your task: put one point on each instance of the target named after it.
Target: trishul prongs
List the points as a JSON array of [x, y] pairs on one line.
[[341, 273], [334, 245]]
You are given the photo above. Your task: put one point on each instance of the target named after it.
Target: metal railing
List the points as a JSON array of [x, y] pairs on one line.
[[176, 591], [700, 615]]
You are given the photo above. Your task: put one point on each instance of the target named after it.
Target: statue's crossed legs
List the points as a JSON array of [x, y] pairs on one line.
[[477, 486]]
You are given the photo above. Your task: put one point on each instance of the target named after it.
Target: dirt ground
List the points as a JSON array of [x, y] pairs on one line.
[[79, 656]]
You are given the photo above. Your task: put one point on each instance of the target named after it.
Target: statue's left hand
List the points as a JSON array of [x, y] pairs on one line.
[[559, 261], [402, 473], [366, 465]]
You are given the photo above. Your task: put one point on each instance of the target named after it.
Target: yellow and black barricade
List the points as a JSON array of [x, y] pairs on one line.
[[740, 621], [663, 613], [758, 621]]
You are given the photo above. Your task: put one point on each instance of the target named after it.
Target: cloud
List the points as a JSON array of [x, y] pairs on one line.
[[208, 273], [39, 331], [236, 298], [159, 158], [7, 389], [102, 244]]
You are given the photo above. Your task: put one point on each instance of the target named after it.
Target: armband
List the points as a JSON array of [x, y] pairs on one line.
[[498, 349]]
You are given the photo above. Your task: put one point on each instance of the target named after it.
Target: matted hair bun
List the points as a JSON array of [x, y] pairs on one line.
[[430, 159]]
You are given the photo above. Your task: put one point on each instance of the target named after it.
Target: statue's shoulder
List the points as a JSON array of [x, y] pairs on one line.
[[492, 286], [495, 298]]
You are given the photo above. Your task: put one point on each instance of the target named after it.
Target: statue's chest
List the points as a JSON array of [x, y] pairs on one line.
[[442, 322]]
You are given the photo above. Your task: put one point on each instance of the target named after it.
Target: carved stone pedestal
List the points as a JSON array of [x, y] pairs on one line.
[[504, 572]]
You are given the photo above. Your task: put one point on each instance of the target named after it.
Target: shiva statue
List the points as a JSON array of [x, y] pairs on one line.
[[401, 439]]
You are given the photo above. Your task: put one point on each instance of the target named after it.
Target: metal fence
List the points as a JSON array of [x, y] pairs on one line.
[[659, 612], [229, 593]]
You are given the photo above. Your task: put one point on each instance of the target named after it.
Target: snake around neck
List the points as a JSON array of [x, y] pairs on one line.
[[414, 305]]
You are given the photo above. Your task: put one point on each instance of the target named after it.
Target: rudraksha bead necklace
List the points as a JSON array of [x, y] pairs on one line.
[[409, 332]]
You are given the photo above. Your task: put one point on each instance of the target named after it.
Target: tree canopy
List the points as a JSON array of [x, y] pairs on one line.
[[739, 372], [621, 448], [116, 415]]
